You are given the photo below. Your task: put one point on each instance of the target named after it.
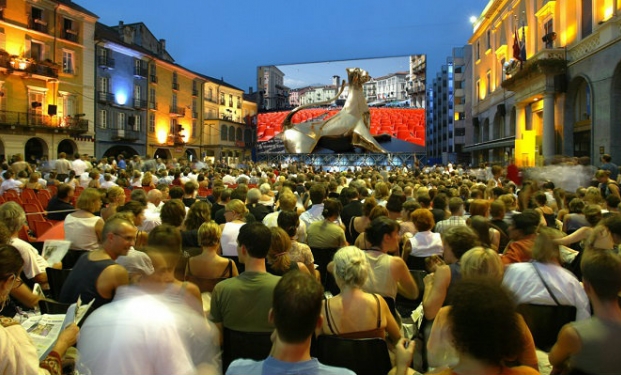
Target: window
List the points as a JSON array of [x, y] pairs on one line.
[[137, 123], [489, 81], [37, 20], [223, 133], [222, 99], [151, 123], [140, 69], [174, 103], [489, 39], [68, 62], [238, 136], [230, 100], [210, 95], [193, 128], [37, 50], [232, 133], [104, 85], [173, 126], [478, 88], [152, 98], [121, 121], [548, 29], [194, 111], [103, 118], [69, 31], [478, 51]]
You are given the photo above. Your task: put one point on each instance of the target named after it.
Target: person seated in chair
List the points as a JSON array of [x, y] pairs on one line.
[[588, 345], [296, 313], [60, 205]]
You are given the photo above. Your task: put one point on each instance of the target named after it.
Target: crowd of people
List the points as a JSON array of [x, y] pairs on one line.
[[176, 254]]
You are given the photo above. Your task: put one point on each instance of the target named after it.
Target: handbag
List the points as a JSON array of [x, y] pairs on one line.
[[545, 322]]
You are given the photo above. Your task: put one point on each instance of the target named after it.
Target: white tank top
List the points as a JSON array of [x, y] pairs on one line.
[[228, 241]]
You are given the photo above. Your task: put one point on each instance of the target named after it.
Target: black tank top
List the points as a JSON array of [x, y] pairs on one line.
[[82, 281]]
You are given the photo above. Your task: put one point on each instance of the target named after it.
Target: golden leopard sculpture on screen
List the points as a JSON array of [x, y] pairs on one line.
[[354, 120]]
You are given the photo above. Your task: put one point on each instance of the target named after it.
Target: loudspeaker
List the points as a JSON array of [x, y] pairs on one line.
[[51, 109], [35, 104], [131, 120], [500, 108]]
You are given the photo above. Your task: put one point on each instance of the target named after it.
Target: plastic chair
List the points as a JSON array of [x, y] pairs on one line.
[[44, 197], [28, 194], [42, 226], [56, 278], [362, 356], [250, 345], [545, 322], [53, 307]]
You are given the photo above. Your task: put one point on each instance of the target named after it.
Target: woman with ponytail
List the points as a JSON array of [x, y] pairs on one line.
[[354, 313], [278, 260]]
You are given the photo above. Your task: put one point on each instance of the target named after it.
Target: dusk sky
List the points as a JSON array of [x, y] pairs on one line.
[[230, 39]]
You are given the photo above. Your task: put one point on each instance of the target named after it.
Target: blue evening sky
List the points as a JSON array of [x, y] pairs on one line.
[[230, 39]]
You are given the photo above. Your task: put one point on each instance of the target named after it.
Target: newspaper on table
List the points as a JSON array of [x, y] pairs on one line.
[[55, 250], [44, 329]]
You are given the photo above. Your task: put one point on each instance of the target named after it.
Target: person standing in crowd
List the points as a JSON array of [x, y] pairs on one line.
[[609, 166], [62, 166]]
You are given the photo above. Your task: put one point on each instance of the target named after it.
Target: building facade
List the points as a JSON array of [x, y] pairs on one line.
[[447, 110], [270, 82], [561, 99], [47, 57], [416, 81]]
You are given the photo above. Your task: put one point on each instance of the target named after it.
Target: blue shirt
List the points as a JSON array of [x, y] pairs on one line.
[[272, 366]]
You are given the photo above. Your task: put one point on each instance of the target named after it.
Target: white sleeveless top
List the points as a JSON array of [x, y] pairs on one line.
[[81, 232], [228, 240]]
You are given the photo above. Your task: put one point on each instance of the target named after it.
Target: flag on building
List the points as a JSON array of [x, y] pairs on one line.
[[523, 46], [517, 46]]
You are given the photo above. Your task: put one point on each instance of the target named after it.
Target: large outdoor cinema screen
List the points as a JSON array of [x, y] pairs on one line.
[[364, 105]]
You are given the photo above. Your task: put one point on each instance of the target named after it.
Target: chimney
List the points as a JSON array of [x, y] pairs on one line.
[[250, 90], [163, 44], [336, 81]]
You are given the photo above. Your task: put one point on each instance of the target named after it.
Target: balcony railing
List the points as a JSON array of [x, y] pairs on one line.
[[153, 78], [153, 106], [175, 86], [125, 134], [140, 71], [194, 92], [70, 35], [179, 111], [105, 62], [139, 103], [40, 121], [39, 25], [106, 97], [210, 99]]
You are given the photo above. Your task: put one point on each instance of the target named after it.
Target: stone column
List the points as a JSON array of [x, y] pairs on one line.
[[548, 136]]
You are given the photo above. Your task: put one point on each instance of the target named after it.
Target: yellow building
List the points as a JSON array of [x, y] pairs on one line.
[[229, 128], [47, 78], [561, 100]]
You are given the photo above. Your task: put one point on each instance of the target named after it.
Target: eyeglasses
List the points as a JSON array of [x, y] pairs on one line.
[[126, 238]]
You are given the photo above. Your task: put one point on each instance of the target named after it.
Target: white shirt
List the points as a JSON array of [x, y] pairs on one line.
[[426, 244], [315, 213], [10, 184], [228, 180], [271, 220], [152, 217], [34, 264], [108, 184], [148, 334], [527, 287], [78, 166]]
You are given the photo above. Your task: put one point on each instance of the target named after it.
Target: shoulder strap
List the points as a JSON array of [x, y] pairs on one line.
[[379, 311], [546, 285], [187, 270], [329, 318], [350, 226], [228, 269]]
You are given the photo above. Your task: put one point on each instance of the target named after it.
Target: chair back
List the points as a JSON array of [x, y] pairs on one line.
[[40, 227], [250, 345], [53, 307], [56, 278], [545, 322], [322, 257], [362, 356], [28, 194]]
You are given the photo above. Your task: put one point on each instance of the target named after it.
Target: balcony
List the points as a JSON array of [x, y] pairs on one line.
[[177, 111], [128, 135], [139, 103], [153, 106], [38, 24], [105, 62], [140, 71], [547, 62], [194, 92], [153, 78], [28, 66], [35, 121], [70, 35], [175, 86], [105, 97]]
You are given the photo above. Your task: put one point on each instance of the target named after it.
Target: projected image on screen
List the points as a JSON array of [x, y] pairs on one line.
[[367, 105]]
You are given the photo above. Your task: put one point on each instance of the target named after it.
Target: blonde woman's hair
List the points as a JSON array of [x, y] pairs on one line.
[[87, 201], [238, 207], [209, 234], [114, 192], [351, 266], [482, 262], [545, 250]]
